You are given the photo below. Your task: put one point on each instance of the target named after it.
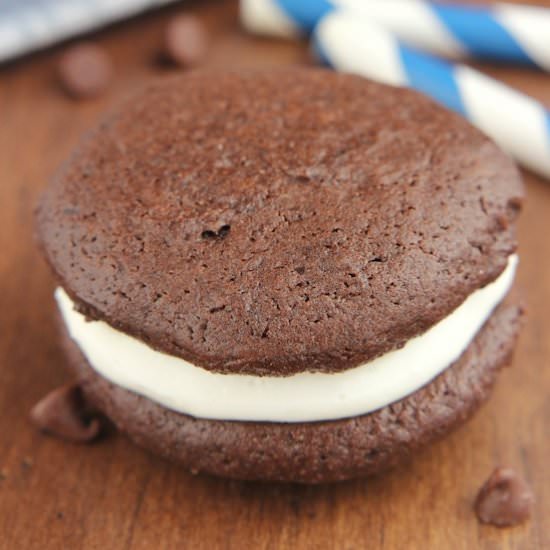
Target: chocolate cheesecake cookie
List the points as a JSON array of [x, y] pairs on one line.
[[289, 275]]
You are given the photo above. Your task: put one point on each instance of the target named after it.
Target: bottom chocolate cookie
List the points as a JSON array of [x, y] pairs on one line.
[[314, 452]]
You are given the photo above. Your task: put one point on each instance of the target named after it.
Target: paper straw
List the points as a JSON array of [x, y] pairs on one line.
[[504, 32], [518, 123]]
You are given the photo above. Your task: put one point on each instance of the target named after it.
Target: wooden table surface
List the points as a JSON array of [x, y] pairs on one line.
[[112, 495]]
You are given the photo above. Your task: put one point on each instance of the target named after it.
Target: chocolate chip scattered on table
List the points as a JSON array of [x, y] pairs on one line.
[[85, 70], [185, 41], [63, 413], [505, 499]]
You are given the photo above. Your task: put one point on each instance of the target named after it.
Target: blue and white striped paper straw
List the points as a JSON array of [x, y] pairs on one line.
[[518, 123], [504, 32]]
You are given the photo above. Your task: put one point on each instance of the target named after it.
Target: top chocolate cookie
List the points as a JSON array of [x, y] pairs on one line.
[[278, 221]]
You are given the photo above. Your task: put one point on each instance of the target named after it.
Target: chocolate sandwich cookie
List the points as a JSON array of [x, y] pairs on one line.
[[289, 274]]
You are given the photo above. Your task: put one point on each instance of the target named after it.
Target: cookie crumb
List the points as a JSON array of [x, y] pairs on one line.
[[3, 474], [185, 41], [505, 499], [85, 70], [63, 413]]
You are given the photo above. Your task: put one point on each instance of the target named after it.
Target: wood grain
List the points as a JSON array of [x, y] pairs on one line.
[[113, 495]]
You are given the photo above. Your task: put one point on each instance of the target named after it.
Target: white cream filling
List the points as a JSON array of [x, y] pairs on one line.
[[305, 397]]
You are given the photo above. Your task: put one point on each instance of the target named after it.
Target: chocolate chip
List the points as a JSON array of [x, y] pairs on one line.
[[63, 413], [505, 499], [85, 70], [185, 41]]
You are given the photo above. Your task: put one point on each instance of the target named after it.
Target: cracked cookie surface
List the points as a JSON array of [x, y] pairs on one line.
[[274, 222]]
